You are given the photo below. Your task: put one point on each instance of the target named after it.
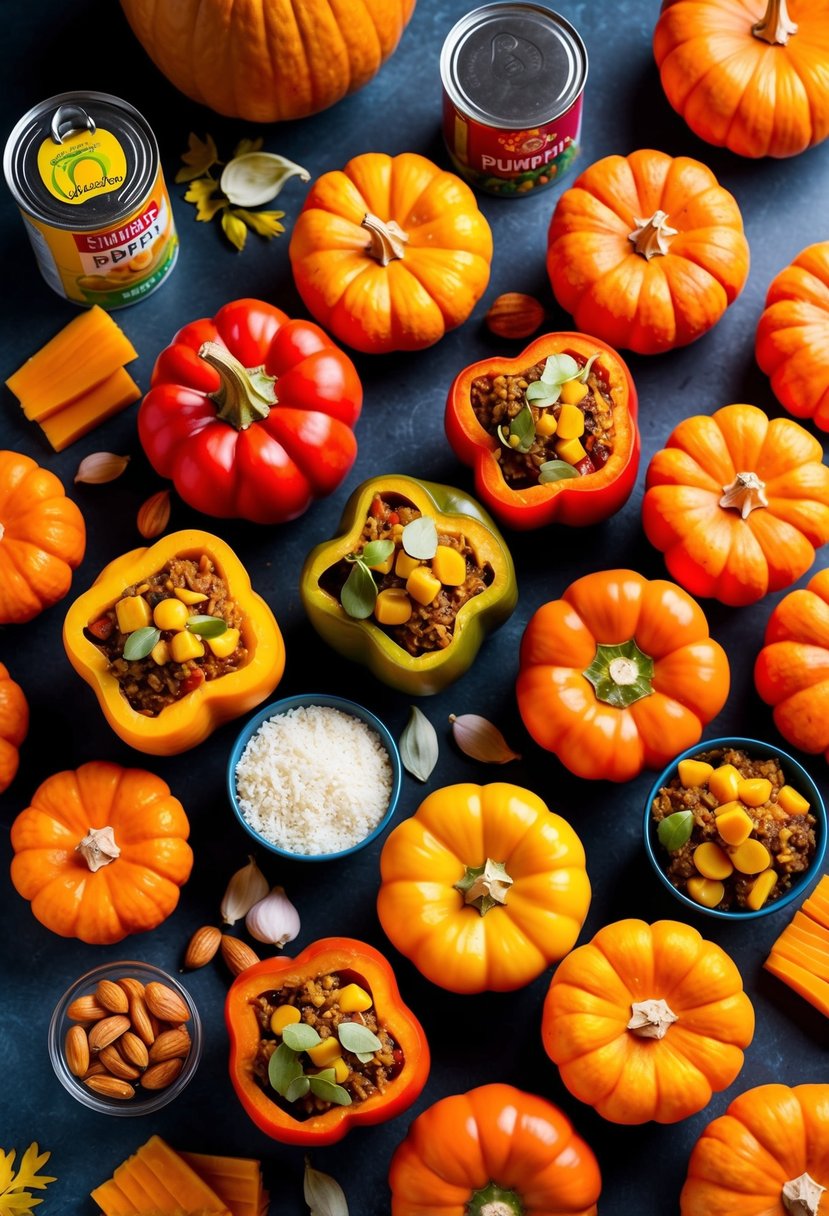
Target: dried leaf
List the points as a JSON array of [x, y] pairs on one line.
[[257, 177], [481, 739], [234, 230], [247, 145], [419, 745], [100, 467], [199, 157], [201, 193], [15, 1199], [154, 514], [323, 1194], [263, 223]]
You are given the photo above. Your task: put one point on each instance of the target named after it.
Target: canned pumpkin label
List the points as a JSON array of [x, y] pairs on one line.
[[82, 166]]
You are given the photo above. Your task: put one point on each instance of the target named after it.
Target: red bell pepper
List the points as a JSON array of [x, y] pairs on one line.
[[251, 414], [360, 964], [578, 500]]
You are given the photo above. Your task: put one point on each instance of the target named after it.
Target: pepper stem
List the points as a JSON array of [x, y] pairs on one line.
[[245, 395], [98, 848], [801, 1196], [652, 237], [485, 886], [745, 494], [388, 240], [776, 26], [651, 1019], [494, 1200], [620, 674]]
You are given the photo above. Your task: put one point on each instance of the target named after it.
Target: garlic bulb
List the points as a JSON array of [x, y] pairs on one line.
[[246, 888], [273, 920]]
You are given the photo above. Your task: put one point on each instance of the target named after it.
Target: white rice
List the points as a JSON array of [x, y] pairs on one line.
[[314, 780]]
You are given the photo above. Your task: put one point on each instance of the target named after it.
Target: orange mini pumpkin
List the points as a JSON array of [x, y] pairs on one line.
[[101, 852], [14, 724]]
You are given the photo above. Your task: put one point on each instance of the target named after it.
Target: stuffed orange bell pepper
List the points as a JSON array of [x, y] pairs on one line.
[[322, 1042], [174, 642], [620, 674], [483, 887], [551, 434]]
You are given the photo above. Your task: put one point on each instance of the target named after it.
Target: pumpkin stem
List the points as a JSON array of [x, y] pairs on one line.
[[776, 27], [652, 237], [494, 1200], [98, 848], [651, 1019], [245, 395], [620, 674], [485, 886], [388, 240], [801, 1196], [745, 494]]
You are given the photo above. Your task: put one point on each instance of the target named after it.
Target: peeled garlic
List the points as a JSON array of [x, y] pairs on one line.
[[246, 888], [257, 177], [273, 920], [323, 1194], [480, 739]]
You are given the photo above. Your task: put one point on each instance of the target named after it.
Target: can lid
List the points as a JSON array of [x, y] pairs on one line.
[[81, 161], [513, 65]]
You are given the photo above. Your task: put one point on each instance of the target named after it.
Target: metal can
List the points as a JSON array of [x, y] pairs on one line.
[[513, 79], [84, 170]]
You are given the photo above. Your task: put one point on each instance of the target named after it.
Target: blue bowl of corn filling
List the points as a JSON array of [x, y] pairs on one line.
[[314, 777]]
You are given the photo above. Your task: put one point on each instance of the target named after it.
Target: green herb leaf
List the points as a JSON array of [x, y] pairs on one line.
[[299, 1036], [200, 156], [674, 830], [297, 1089], [263, 223], [419, 745], [585, 371], [523, 427], [326, 1074], [283, 1068], [140, 642], [330, 1093], [376, 552], [364, 1056], [234, 229], [206, 626], [357, 1038], [359, 593], [420, 538], [201, 193], [558, 369], [555, 470]]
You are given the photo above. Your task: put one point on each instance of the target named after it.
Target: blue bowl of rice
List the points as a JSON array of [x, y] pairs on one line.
[[314, 777]]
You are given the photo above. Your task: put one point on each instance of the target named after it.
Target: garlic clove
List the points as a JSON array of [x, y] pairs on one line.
[[246, 888], [273, 920], [257, 177], [481, 739]]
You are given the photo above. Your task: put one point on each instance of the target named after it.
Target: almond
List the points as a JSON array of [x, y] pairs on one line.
[[85, 1009], [169, 1044], [237, 955], [76, 1050], [165, 1004], [114, 1062], [131, 987], [159, 1076], [110, 1087], [133, 1049], [202, 947], [154, 515], [112, 997], [94, 1070], [107, 1031], [140, 1019], [514, 315]]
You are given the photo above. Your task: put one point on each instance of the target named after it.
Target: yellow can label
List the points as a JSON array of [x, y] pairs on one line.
[[84, 166]]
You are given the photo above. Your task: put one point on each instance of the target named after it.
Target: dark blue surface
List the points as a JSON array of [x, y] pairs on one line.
[[49, 47]]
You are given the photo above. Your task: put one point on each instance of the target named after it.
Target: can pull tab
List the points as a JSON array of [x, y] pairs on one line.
[[67, 119]]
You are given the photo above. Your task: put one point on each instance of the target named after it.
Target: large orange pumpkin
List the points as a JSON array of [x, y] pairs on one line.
[[268, 60], [14, 723], [792, 344], [749, 75]]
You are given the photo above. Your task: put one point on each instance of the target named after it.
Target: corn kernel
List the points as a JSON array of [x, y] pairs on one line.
[[160, 653], [570, 422], [341, 1070], [326, 1052], [422, 585], [184, 646], [734, 826], [725, 807], [170, 614], [704, 891], [791, 801], [224, 645], [570, 450], [392, 607], [449, 565], [131, 613], [285, 1015], [385, 565], [712, 862], [761, 889], [405, 564], [693, 773], [546, 425], [751, 857], [754, 791], [724, 782], [573, 391], [354, 999], [189, 597]]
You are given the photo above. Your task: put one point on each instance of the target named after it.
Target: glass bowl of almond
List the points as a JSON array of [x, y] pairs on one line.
[[125, 1039]]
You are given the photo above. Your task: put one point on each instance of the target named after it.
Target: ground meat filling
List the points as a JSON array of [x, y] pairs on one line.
[[790, 839], [496, 400], [318, 1005], [149, 686]]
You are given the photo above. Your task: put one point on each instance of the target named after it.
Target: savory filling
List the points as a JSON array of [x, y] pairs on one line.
[[554, 420], [410, 577], [735, 832], [167, 635], [322, 1045]]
